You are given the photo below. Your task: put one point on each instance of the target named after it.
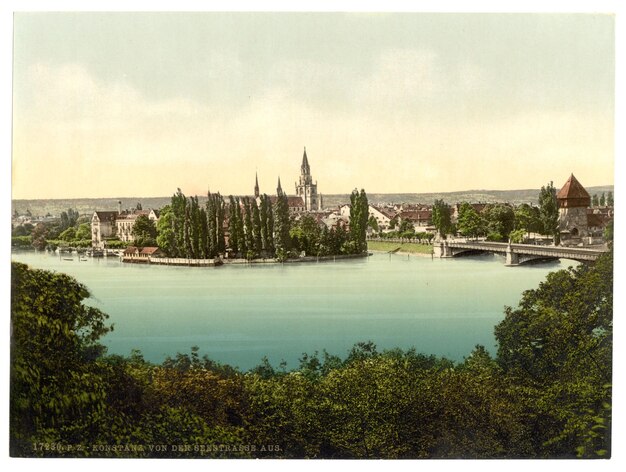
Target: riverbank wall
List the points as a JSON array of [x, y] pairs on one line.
[[177, 261]]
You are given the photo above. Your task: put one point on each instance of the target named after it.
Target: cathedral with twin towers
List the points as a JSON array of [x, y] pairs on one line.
[[306, 199]]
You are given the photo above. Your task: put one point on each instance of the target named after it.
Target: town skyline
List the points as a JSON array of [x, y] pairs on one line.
[[394, 103]]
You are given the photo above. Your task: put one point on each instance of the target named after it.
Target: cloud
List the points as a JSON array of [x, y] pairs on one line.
[[81, 136], [402, 75]]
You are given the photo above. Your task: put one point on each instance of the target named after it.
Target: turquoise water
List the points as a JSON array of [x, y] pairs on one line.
[[238, 314]]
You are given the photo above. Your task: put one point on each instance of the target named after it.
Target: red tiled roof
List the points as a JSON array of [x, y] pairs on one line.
[[416, 215], [149, 250], [573, 194], [131, 250], [292, 202]]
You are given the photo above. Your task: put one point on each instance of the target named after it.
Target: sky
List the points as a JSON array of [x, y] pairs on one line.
[[138, 104]]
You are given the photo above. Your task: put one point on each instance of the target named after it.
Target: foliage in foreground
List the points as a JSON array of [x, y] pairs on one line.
[[547, 393]]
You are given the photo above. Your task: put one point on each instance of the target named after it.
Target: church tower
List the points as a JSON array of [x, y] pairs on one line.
[[305, 188], [279, 189], [256, 185]]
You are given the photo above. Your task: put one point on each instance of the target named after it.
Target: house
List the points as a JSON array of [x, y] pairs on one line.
[[420, 219], [116, 224], [102, 227], [383, 216]]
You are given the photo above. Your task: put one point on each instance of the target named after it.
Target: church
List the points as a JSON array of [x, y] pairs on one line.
[[307, 199]]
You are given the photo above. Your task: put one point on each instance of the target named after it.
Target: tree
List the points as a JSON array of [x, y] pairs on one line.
[[68, 219], [267, 225], [84, 231], [282, 241], [594, 200], [602, 200], [178, 205], [359, 214], [500, 221], [549, 212], [609, 199], [247, 222], [40, 232], [233, 238], [441, 218], [240, 228], [556, 347], [194, 228], [528, 218], [144, 230], [166, 238], [305, 235], [469, 222], [256, 228], [56, 392], [69, 234]]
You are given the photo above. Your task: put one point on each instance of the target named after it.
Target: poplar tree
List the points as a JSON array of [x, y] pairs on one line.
[[441, 218], [549, 212], [602, 200], [247, 208], [179, 203], [263, 217], [270, 227], [204, 235], [241, 233], [166, 239], [281, 227], [220, 213], [188, 250], [233, 239], [194, 227], [211, 230], [609, 199], [359, 215], [256, 228]]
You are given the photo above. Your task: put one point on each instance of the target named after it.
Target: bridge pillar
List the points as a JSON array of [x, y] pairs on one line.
[[512, 259], [441, 249]]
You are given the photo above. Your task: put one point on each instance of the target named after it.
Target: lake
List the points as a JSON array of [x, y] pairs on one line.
[[237, 314]]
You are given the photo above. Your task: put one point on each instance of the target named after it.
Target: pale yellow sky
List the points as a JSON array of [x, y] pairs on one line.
[[140, 104]]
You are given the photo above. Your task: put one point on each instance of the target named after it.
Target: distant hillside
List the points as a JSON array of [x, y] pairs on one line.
[[89, 205]]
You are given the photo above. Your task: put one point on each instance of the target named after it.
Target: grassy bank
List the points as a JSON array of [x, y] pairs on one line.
[[412, 248]]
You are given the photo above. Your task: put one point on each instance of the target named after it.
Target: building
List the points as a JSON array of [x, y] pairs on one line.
[[306, 189], [116, 224], [306, 199], [573, 202], [102, 227], [383, 216], [578, 223], [125, 222]]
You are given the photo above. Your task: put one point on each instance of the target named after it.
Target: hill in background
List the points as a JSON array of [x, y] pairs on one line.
[[89, 205]]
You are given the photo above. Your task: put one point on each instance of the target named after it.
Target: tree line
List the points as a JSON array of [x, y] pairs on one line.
[[545, 394], [250, 229], [500, 221], [70, 230]]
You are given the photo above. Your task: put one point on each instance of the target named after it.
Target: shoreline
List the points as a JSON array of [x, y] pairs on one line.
[[417, 254]]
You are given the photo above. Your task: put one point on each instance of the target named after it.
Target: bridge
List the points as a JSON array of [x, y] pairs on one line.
[[515, 254]]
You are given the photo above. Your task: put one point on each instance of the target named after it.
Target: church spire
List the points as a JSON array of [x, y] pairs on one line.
[[305, 164], [256, 185], [279, 189]]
